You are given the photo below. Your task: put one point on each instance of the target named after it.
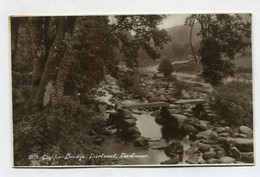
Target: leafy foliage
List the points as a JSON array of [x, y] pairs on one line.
[[130, 81], [166, 67], [222, 36], [138, 32], [96, 41], [233, 102], [90, 53], [60, 129]]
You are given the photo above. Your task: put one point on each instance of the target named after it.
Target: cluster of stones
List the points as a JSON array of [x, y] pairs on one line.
[[175, 151], [182, 111], [220, 145], [125, 122], [211, 143], [100, 132], [158, 90]]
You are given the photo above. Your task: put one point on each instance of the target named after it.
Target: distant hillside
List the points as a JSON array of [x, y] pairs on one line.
[[179, 46], [181, 34]]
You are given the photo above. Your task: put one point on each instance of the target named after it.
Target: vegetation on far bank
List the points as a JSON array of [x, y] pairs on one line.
[[234, 103]]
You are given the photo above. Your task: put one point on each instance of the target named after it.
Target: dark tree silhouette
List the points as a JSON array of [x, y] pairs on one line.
[[222, 37], [65, 46], [165, 67]]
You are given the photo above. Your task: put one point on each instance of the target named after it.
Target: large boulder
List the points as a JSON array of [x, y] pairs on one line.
[[133, 130], [139, 112], [143, 84], [245, 130], [224, 135], [155, 113], [247, 157], [212, 161], [220, 130], [201, 125], [226, 160], [171, 100], [176, 121], [240, 135], [185, 94], [213, 135], [234, 152], [173, 149], [174, 160], [159, 120], [204, 148], [208, 155], [124, 124], [243, 144], [150, 95], [113, 116], [194, 148], [124, 112], [190, 129], [204, 134], [220, 154], [181, 119], [122, 119], [130, 122], [141, 142], [163, 98], [193, 159], [129, 116], [102, 106], [201, 161]]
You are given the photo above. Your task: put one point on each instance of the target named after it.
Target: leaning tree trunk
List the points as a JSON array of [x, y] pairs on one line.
[[46, 92]]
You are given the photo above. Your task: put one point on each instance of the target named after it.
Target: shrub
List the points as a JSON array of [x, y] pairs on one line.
[[131, 81], [178, 87], [58, 129], [233, 103], [165, 67]]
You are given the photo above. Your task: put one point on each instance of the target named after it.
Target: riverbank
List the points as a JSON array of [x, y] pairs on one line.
[[201, 139]]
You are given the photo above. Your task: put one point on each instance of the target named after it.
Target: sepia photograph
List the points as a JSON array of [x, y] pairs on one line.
[[132, 90]]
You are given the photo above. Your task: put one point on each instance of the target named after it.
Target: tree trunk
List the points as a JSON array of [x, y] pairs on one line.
[[15, 23], [46, 91], [39, 48]]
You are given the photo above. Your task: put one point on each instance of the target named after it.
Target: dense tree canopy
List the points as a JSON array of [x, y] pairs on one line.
[[222, 37], [82, 48], [145, 35]]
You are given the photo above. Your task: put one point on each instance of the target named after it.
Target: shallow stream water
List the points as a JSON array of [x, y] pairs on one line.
[[148, 128]]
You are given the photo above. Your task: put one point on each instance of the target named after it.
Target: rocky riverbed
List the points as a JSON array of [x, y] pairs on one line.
[[182, 131]]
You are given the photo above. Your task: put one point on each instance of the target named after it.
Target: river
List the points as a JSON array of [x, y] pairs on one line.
[[148, 128], [146, 124]]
